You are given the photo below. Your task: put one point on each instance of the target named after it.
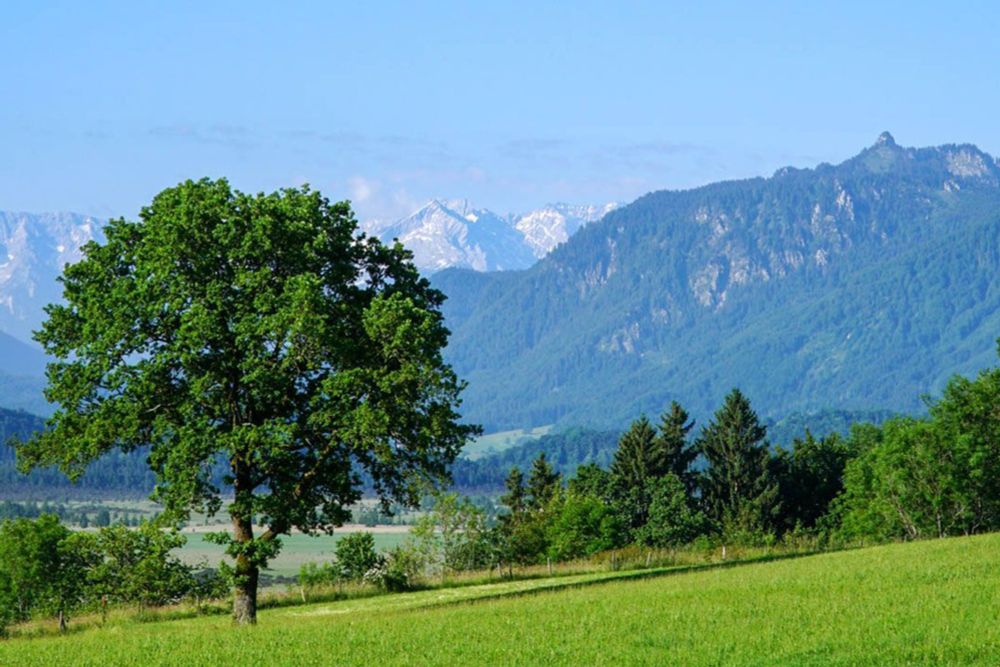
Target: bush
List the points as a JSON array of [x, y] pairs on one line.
[[672, 521], [312, 575], [356, 555], [389, 574], [582, 526], [137, 566]]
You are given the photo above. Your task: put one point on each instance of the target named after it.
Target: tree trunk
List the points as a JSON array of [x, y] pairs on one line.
[[62, 621], [245, 594], [246, 576]]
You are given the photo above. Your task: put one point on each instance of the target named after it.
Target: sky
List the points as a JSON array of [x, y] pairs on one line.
[[510, 105]]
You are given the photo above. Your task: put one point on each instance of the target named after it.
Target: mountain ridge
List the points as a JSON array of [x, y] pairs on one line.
[[670, 296]]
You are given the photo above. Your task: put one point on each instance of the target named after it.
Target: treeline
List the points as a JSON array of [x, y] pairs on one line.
[[128, 475], [666, 487], [47, 570], [565, 451], [114, 474], [81, 515]]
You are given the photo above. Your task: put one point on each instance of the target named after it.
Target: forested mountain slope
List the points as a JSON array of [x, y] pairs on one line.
[[856, 286]]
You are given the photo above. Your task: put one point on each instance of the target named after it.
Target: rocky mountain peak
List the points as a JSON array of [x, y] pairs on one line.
[[885, 139]]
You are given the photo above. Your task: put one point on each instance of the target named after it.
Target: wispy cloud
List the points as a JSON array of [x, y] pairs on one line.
[[232, 136]]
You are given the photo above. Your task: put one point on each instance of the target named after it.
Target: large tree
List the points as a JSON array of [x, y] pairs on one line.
[[737, 488], [263, 332]]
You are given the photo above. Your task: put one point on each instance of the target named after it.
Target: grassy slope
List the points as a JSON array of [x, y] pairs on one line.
[[492, 443], [901, 604]]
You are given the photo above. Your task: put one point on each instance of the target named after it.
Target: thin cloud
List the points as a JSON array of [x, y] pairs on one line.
[[233, 136]]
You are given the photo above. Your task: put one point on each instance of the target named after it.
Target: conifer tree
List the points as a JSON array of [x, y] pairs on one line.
[[543, 482], [514, 499], [632, 470], [737, 489], [674, 454], [636, 458]]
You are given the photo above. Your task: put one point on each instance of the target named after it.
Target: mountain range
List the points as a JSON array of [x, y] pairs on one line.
[[855, 286], [454, 234], [858, 286], [35, 247]]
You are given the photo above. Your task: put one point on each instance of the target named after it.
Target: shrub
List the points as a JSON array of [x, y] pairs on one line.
[[356, 555]]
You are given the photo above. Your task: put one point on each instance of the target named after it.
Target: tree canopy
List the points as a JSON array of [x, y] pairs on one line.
[[260, 330]]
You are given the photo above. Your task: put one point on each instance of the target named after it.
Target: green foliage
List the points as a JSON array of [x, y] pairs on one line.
[[452, 536], [932, 477], [674, 452], [827, 421], [356, 555], [29, 552], [314, 575], [592, 480], [138, 566], [673, 520], [388, 575], [261, 329], [810, 476], [564, 450], [581, 526], [637, 460], [543, 483], [737, 489], [42, 568]]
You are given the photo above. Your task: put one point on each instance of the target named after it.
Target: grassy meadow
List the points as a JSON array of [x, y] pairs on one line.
[[491, 443], [926, 602]]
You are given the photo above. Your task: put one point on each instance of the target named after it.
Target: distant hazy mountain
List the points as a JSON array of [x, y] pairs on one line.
[[33, 250], [858, 286], [21, 371], [445, 234]]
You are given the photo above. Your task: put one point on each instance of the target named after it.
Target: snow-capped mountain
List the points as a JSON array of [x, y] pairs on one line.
[[545, 228], [35, 247], [33, 250], [444, 234], [452, 233]]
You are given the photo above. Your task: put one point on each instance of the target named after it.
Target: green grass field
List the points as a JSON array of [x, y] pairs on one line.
[[296, 549], [929, 602]]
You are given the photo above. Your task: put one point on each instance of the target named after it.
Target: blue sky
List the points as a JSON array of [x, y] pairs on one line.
[[509, 104]]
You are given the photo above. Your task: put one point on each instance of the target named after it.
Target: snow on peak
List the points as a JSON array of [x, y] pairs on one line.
[[34, 249], [453, 233]]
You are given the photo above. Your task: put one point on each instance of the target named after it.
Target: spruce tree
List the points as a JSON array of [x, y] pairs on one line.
[[674, 454], [632, 469], [636, 458], [737, 489], [543, 482], [514, 499]]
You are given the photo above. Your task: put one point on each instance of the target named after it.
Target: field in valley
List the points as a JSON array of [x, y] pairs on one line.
[[927, 602], [492, 443], [296, 549]]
